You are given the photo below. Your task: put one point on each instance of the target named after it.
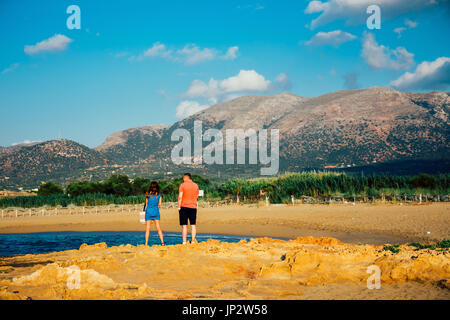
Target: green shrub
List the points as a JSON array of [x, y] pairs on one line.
[[394, 248], [48, 188]]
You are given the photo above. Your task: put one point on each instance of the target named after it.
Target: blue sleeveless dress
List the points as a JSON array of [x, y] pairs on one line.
[[152, 210]]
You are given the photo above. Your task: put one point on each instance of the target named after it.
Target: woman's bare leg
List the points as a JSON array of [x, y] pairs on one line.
[[147, 232], [158, 228]]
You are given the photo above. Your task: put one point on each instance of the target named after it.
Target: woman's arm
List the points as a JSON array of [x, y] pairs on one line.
[[145, 206], [160, 200]]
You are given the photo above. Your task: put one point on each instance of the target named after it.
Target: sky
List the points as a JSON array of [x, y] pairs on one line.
[[136, 63]]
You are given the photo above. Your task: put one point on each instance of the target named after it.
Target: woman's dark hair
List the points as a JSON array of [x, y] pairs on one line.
[[153, 189]]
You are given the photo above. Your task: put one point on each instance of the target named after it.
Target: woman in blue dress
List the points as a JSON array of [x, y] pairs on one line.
[[152, 203]]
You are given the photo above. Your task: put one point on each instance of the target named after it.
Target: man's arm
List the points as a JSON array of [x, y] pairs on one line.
[[198, 192], [180, 196]]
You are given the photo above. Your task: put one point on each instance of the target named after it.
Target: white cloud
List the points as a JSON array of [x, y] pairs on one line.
[[214, 90], [354, 11], [409, 23], [25, 142], [334, 38], [434, 75], [246, 80], [399, 31], [316, 6], [231, 53], [56, 43], [381, 57], [12, 67], [282, 81], [188, 107], [158, 49], [194, 55], [200, 89], [190, 54]]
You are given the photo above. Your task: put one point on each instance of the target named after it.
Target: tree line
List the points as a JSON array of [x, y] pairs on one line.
[[119, 189]]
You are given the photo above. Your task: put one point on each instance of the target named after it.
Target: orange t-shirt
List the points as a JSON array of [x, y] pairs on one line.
[[190, 194]]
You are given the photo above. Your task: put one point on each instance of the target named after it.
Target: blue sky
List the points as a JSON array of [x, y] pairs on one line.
[[136, 63]]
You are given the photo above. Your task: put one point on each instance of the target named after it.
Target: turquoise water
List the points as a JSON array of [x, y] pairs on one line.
[[43, 242]]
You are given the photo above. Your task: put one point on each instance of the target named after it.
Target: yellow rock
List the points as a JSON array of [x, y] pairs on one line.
[[257, 269]]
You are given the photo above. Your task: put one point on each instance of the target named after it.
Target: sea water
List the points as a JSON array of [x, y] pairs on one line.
[[43, 242]]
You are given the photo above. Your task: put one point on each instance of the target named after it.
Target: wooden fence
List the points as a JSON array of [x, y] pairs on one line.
[[16, 212]]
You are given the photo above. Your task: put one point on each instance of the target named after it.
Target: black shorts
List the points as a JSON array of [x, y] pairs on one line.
[[187, 214]]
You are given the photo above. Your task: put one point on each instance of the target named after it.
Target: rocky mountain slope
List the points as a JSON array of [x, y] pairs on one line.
[[341, 129], [48, 157], [344, 128], [133, 145]]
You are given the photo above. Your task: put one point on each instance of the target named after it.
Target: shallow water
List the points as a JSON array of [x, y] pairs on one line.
[[43, 242]]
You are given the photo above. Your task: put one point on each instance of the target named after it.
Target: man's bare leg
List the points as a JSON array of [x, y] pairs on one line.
[[193, 232], [184, 233]]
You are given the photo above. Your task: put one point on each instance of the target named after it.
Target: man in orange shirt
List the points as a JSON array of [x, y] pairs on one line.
[[187, 206]]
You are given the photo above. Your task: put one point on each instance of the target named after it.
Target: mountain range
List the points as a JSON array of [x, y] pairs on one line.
[[347, 128]]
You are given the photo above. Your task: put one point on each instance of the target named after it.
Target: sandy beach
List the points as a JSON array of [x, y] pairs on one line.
[[313, 264], [360, 223]]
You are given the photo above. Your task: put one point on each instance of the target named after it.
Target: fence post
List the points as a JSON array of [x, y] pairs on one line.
[[16, 213], [29, 212]]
